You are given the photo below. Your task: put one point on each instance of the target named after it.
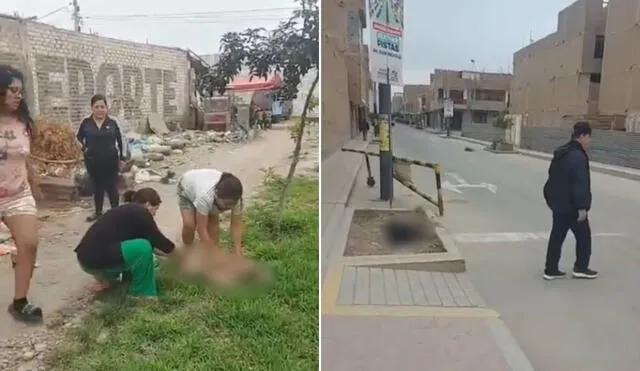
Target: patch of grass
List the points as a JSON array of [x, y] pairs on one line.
[[197, 328]]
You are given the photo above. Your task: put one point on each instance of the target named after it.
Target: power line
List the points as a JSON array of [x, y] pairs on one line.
[[192, 21], [189, 15], [60, 9]]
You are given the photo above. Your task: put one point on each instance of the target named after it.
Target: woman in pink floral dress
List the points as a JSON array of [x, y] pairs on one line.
[[17, 204]]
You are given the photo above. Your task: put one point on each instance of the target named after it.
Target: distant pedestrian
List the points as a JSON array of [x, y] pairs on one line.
[[568, 195], [363, 123], [102, 145]]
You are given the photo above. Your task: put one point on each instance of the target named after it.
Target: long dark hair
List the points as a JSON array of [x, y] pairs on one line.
[[7, 75]]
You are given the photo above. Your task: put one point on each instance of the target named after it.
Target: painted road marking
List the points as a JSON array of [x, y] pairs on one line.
[[457, 178], [464, 184], [514, 237], [450, 187]]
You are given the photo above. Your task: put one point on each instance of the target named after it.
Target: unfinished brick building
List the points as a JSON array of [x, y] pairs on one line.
[[65, 68], [345, 76], [559, 75], [416, 97], [586, 70]]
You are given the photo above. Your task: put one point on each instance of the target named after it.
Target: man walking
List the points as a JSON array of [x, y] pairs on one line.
[[568, 195], [363, 122]]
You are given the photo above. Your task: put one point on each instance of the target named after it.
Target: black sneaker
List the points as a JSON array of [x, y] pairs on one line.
[[93, 217], [548, 275], [585, 274], [29, 313]]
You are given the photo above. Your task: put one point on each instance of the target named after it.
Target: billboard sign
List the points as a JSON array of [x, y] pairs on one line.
[[448, 108], [386, 24]]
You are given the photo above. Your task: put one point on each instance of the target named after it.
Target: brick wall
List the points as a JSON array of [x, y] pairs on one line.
[[609, 147], [486, 132], [64, 69], [338, 122]]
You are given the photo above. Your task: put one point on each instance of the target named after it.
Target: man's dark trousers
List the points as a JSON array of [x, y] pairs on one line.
[[562, 223]]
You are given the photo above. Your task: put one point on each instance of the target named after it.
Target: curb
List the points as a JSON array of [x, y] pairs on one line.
[[513, 354], [621, 172], [333, 227], [449, 261]]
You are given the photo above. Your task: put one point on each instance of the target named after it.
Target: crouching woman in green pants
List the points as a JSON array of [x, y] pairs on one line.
[[123, 241]]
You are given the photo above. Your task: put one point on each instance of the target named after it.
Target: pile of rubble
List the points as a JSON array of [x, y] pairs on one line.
[[151, 158]]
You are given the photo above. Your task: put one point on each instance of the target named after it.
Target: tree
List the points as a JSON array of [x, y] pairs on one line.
[[292, 50], [503, 120]]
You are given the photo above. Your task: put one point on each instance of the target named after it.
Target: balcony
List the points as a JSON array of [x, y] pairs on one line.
[[458, 103], [487, 105]]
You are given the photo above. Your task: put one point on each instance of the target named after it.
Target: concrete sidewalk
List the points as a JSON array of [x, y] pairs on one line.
[[339, 172], [385, 319]]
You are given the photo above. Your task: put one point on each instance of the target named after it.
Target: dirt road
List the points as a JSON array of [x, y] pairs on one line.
[[59, 284]]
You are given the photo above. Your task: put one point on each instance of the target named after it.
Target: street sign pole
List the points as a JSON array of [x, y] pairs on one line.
[[448, 114], [386, 153]]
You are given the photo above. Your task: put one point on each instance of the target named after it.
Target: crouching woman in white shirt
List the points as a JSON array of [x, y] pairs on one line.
[[202, 195]]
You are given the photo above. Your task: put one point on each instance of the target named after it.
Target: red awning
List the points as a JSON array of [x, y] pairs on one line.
[[242, 84]]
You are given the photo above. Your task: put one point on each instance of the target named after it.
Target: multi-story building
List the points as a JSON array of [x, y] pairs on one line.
[[345, 76], [586, 70], [417, 98], [557, 78], [478, 97], [620, 87], [397, 102]]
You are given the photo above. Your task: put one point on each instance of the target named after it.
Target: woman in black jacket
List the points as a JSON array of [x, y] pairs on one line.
[[102, 145]]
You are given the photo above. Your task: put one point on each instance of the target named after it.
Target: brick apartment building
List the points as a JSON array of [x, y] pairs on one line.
[[558, 77], [587, 69], [416, 97], [620, 86], [345, 76], [478, 97]]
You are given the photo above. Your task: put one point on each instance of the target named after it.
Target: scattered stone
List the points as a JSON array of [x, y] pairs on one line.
[[28, 355], [177, 143], [40, 347], [177, 152], [153, 156], [158, 148]]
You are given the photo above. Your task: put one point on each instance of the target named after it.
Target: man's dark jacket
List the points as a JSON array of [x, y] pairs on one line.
[[568, 187]]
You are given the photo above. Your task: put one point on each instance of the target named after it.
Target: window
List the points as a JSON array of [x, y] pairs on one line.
[[480, 117], [598, 51], [595, 78], [456, 94], [490, 95], [440, 93]]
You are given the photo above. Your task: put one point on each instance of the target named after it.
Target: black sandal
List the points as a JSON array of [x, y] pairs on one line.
[[29, 313]]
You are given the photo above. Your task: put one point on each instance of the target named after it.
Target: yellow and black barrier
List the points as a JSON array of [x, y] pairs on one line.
[[402, 173]]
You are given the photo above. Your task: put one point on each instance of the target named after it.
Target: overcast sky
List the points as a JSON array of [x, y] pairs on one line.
[[448, 34], [193, 24], [438, 34]]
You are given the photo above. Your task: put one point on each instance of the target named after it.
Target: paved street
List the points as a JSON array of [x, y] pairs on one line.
[[495, 211]]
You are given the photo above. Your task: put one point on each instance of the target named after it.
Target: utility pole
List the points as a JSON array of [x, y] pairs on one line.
[[385, 150], [75, 15]]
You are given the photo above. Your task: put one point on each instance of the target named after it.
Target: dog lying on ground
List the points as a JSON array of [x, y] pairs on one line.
[[222, 268]]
